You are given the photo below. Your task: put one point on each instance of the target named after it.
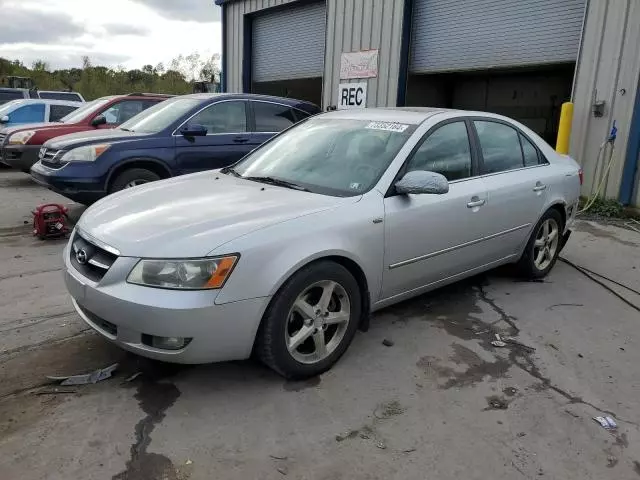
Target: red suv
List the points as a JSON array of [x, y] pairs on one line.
[[20, 145]]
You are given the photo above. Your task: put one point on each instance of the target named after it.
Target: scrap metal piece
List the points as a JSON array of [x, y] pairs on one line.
[[87, 378]]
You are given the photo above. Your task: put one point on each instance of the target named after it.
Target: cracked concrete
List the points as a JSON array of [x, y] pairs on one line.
[[441, 403]]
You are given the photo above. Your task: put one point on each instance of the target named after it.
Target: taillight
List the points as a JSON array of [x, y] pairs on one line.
[[581, 175]]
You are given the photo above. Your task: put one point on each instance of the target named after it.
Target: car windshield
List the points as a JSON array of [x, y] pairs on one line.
[[339, 157], [160, 116], [85, 110]]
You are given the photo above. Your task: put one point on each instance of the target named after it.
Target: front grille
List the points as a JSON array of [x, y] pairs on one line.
[[50, 157], [89, 259]]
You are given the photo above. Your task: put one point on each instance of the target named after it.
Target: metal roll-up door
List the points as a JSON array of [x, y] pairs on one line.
[[289, 44], [454, 35]]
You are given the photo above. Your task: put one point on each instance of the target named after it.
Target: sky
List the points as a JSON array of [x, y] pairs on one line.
[[130, 33]]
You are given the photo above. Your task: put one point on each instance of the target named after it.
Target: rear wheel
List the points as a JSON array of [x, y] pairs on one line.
[[544, 246], [132, 178], [311, 321]]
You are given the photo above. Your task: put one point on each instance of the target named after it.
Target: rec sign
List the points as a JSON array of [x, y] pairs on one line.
[[352, 95]]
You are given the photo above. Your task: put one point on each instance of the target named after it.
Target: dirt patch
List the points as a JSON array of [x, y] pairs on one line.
[[28, 368], [601, 233]]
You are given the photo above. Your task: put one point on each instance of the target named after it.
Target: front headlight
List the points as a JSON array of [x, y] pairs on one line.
[[85, 154], [21, 138], [188, 274]]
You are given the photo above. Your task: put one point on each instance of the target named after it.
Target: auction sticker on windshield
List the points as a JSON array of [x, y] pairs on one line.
[[388, 126]]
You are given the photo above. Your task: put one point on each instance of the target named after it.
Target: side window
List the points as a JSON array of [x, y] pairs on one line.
[[56, 112], [300, 115], [446, 151], [530, 153], [122, 111], [500, 146], [271, 117], [28, 113], [223, 117]]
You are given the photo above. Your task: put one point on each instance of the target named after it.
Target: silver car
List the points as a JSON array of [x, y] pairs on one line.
[[287, 253]]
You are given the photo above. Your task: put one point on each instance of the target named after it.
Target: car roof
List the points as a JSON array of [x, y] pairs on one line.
[[409, 115], [29, 101], [248, 96]]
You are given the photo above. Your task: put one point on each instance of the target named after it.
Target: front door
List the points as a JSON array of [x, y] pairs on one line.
[[226, 142], [429, 238], [517, 178]]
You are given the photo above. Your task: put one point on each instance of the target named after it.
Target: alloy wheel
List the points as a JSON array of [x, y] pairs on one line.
[[135, 183], [317, 321], [546, 244]]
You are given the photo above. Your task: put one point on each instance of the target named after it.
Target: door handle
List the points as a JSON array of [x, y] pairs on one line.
[[475, 203], [539, 187], [241, 139]]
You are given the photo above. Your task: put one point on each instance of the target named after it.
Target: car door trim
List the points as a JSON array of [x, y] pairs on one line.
[[456, 247]]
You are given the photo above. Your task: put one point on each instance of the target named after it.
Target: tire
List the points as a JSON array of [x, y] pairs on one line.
[[283, 322], [529, 264], [132, 175]]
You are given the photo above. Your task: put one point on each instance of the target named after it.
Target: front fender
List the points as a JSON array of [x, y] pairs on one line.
[[269, 257]]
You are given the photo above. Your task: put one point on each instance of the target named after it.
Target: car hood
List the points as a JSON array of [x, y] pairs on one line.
[[85, 138], [192, 215], [26, 126]]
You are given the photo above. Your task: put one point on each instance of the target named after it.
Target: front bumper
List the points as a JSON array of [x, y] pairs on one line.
[[20, 157], [126, 314], [81, 189]]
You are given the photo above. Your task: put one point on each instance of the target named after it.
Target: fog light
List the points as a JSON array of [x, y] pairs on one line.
[[166, 343]]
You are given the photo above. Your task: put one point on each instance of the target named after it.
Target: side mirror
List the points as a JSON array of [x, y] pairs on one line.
[[99, 120], [4, 119], [420, 182], [193, 130]]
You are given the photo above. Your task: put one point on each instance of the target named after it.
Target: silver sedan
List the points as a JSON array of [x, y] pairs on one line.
[[286, 253]]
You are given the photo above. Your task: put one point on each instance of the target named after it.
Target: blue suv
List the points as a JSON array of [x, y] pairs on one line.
[[181, 135]]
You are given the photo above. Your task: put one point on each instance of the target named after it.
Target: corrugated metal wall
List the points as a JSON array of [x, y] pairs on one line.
[[450, 35], [354, 25], [235, 35], [608, 70]]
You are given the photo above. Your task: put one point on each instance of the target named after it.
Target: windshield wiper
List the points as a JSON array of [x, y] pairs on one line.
[[125, 129], [230, 170], [278, 182]]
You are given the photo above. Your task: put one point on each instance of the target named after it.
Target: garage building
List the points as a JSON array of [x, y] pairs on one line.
[[518, 58]]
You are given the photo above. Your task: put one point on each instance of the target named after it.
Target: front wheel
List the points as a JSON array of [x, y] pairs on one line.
[[544, 246], [311, 321], [132, 178]]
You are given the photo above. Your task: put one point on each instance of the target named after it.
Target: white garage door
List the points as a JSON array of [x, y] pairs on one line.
[[451, 35], [289, 43]]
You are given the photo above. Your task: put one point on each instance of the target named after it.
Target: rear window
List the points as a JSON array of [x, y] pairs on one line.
[[69, 96]]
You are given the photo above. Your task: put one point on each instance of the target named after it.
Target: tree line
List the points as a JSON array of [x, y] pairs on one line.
[[94, 81]]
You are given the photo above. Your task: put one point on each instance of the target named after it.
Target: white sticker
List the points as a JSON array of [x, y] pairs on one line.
[[388, 126], [354, 186]]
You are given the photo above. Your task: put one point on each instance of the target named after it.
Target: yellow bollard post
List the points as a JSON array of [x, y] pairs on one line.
[[564, 129]]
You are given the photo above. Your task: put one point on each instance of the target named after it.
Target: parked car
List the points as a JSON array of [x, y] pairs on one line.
[[19, 112], [19, 146], [182, 135], [287, 252], [8, 94]]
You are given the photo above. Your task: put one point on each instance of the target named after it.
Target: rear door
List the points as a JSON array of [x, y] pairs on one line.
[[517, 178], [56, 112], [270, 119], [429, 238], [227, 140]]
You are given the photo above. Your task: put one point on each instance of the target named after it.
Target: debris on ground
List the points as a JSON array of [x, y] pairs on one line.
[[497, 403], [87, 378], [520, 434], [277, 457], [607, 423], [132, 377], [388, 409], [387, 343], [381, 445], [283, 470], [498, 342], [188, 462], [409, 450], [504, 341], [57, 391], [510, 391]]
